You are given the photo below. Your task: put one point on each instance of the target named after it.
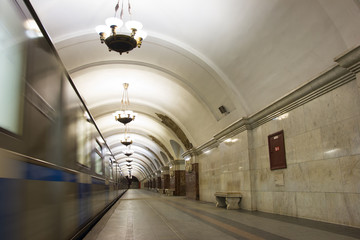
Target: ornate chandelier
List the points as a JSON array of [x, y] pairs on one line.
[[127, 139], [121, 42], [128, 152], [125, 116]]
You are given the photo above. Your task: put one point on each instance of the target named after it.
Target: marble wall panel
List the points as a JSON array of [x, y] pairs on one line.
[[324, 175], [294, 124], [257, 137], [341, 208], [307, 146], [285, 203], [350, 173], [296, 178], [272, 127], [346, 101], [262, 180], [261, 154], [352, 203], [245, 184], [246, 200], [319, 112], [265, 201], [341, 139], [243, 161], [311, 205]]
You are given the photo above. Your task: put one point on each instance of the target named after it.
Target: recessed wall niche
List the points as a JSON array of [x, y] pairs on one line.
[[277, 150]]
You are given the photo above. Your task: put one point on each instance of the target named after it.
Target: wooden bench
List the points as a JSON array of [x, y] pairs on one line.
[[230, 200]]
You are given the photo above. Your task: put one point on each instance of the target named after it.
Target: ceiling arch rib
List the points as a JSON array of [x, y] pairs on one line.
[[120, 157], [136, 166], [139, 149], [141, 162]]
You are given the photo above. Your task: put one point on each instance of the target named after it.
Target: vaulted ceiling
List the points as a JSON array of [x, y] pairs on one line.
[[199, 55]]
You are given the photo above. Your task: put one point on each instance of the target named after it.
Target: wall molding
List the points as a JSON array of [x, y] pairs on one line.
[[344, 71]]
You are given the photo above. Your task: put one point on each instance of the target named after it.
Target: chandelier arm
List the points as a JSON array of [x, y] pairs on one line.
[[122, 9], [127, 99], [129, 8], [117, 8]]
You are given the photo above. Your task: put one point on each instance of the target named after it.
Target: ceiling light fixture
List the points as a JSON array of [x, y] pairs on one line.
[[121, 42], [127, 139], [128, 152], [125, 116]]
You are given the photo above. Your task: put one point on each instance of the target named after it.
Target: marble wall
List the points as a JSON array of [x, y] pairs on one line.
[[322, 178], [226, 168]]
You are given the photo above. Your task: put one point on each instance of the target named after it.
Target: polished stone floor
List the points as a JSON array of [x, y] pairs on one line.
[[145, 215]]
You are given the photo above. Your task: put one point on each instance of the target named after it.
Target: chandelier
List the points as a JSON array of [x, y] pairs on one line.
[[128, 152], [127, 139], [125, 116], [121, 42]]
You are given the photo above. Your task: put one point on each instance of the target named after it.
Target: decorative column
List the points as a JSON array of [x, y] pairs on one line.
[[165, 178], [192, 180], [177, 177], [158, 180], [153, 180]]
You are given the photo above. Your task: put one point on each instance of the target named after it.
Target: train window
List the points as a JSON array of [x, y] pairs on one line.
[[12, 68], [84, 140], [98, 163]]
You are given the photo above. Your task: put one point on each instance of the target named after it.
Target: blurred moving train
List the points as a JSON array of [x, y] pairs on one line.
[[57, 175]]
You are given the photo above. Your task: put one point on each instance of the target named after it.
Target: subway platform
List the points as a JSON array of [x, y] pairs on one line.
[[145, 215]]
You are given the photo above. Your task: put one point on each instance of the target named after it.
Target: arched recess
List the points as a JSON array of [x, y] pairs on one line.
[[165, 158], [178, 150]]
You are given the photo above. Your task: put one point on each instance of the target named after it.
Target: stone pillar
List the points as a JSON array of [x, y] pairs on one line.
[[158, 182], [192, 180], [153, 183], [165, 178], [177, 178], [158, 179]]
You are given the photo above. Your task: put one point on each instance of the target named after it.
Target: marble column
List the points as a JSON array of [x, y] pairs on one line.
[[177, 178], [165, 178], [192, 180]]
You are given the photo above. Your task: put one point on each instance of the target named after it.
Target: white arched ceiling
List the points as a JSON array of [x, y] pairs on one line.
[[199, 55]]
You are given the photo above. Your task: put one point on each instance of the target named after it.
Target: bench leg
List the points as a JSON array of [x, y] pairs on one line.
[[220, 202], [232, 203]]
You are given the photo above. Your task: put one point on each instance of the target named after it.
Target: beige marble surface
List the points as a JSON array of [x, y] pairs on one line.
[[322, 178]]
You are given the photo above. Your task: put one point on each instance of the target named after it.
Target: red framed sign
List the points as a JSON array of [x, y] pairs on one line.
[[277, 150]]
